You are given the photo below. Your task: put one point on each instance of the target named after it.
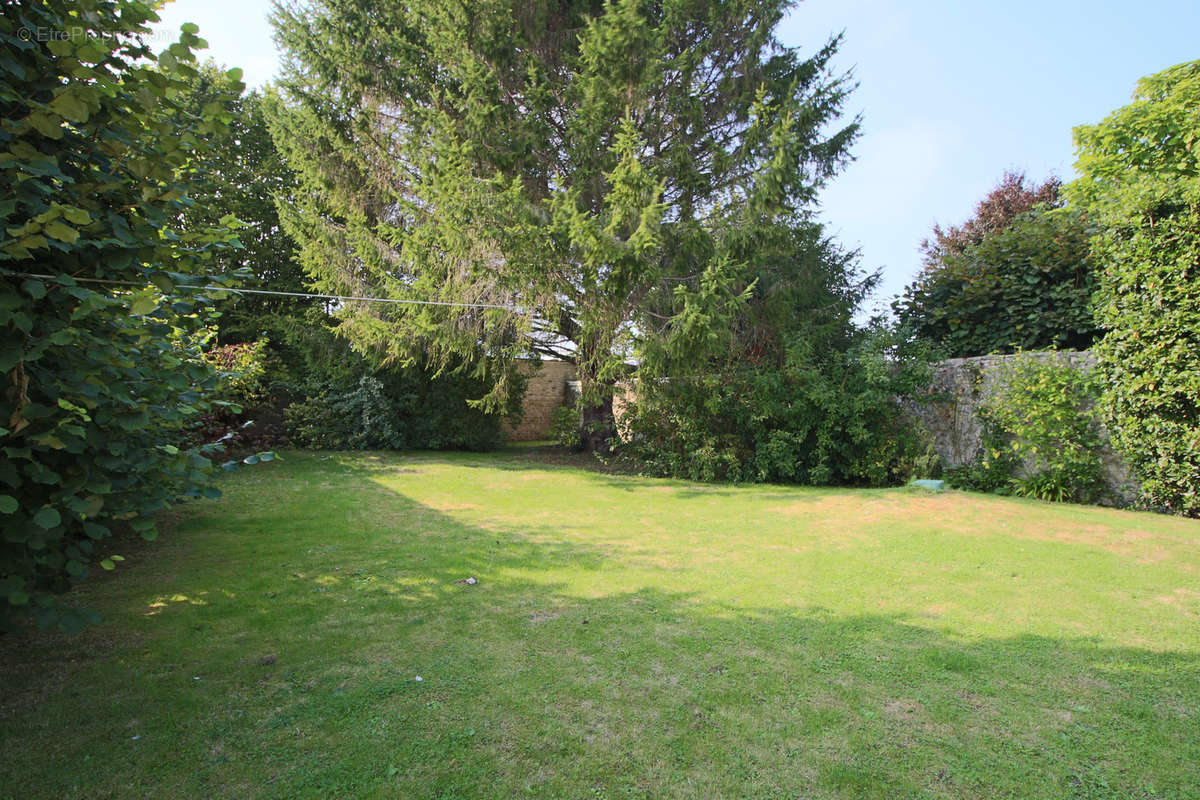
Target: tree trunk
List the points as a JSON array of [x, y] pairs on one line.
[[598, 426]]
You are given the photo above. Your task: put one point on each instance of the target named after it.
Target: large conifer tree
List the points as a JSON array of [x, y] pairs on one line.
[[583, 176]]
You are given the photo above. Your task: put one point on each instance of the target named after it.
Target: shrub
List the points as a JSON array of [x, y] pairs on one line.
[[1048, 426], [362, 419], [100, 382], [397, 409], [249, 418], [565, 426], [243, 370], [1140, 178], [994, 464], [302, 382], [819, 419]]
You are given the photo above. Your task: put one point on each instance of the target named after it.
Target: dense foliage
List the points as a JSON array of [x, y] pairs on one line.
[[1140, 180], [1016, 276], [993, 466], [818, 418], [305, 386], [243, 369], [293, 379], [1045, 412], [243, 174], [571, 178], [336, 398], [101, 344], [799, 394], [1013, 197], [403, 410]]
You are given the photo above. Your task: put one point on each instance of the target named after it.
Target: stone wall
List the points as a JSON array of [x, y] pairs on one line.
[[546, 391], [949, 410]]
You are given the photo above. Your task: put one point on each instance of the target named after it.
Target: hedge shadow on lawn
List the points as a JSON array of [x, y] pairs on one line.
[[530, 688]]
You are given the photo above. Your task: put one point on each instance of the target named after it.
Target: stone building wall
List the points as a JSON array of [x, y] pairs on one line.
[[546, 391], [949, 408]]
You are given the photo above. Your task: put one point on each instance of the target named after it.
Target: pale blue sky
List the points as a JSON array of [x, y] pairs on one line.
[[951, 94]]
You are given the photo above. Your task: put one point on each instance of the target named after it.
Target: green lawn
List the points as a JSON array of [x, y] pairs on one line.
[[626, 638]]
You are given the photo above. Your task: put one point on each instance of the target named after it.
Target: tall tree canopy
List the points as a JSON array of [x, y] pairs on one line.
[[1015, 195], [242, 174], [580, 179]]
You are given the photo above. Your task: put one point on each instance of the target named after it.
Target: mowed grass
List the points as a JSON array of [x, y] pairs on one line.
[[626, 638]]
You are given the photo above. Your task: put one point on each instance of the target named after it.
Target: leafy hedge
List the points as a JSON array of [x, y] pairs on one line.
[[829, 418], [1140, 179], [243, 369], [1046, 414], [401, 409], [101, 380]]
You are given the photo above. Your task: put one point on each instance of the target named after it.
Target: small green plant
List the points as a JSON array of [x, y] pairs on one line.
[[922, 463], [1046, 412], [243, 369], [564, 427], [994, 464]]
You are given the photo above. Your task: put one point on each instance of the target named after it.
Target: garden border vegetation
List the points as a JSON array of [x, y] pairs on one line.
[[1140, 181], [102, 336]]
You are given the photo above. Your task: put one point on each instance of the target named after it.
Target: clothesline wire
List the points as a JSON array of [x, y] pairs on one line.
[[276, 293]]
